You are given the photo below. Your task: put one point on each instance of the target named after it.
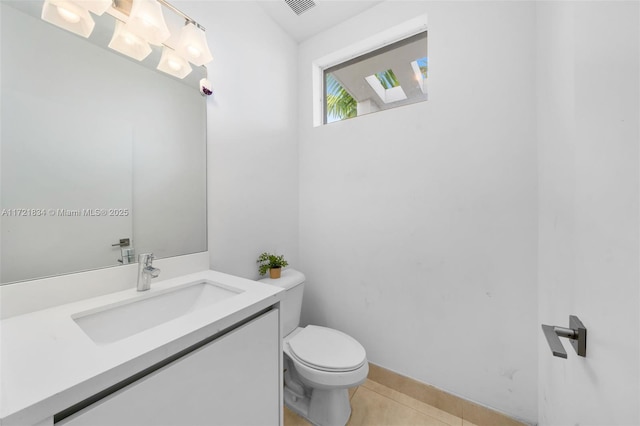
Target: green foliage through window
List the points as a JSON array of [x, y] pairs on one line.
[[374, 81], [340, 104], [388, 79]]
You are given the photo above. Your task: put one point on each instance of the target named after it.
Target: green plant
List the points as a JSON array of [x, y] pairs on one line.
[[388, 79], [267, 261], [340, 104]]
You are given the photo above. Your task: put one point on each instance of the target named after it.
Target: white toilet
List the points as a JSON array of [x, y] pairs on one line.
[[320, 363]]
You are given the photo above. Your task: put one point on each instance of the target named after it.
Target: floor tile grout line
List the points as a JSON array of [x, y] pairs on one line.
[[354, 393], [411, 408], [446, 413]]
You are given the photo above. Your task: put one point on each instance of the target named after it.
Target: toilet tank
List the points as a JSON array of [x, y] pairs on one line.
[[291, 305]]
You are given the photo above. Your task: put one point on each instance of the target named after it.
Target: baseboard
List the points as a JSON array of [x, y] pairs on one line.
[[459, 407]]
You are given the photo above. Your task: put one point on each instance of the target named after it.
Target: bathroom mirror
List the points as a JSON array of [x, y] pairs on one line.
[[95, 148]]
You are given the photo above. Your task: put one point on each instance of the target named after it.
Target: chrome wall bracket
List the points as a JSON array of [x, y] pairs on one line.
[[576, 333]]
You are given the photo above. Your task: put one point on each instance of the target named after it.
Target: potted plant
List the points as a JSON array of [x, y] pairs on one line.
[[271, 262]]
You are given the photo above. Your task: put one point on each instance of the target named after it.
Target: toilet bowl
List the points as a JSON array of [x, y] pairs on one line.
[[320, 363]]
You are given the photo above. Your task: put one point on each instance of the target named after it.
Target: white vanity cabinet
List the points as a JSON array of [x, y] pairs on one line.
[[233, 380]]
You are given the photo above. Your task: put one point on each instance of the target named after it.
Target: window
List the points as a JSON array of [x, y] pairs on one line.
[[388, 77]]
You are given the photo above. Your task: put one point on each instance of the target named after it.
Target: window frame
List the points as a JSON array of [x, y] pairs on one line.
[[377, 41]]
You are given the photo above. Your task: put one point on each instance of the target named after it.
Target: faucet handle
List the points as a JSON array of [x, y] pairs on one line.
[[145, 258]]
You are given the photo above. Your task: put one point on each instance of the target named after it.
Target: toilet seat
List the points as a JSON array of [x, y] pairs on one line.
[[326, 349]]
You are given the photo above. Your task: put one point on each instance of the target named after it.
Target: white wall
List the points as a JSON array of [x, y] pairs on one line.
[[252, 143], [418, 224], [589, 254]]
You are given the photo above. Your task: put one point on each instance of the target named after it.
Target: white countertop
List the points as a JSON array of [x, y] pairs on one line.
[[47, 363]]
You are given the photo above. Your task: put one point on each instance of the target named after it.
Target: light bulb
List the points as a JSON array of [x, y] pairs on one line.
[[174, 64], [128, 44], [194, 51], [146, 21], [68, 15], [192, 45]]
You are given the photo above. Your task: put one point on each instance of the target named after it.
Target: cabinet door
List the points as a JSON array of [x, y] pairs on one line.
[[233, 380]]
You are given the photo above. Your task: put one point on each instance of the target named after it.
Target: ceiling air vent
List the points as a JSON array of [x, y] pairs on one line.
[[300, 6]]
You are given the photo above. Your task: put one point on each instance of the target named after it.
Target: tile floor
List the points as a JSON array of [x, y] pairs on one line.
[[373, 404]]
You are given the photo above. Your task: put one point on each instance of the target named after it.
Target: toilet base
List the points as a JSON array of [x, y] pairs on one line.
[[330, 407], [323, 408], [297, 404]]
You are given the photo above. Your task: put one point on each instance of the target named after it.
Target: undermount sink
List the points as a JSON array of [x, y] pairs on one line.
[[108, 324]]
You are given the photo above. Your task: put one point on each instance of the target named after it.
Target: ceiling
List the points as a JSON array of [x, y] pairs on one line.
[[324, 15]]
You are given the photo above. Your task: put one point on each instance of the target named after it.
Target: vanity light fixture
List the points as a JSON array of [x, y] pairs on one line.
[[146, 20], [69, 15], [174, 64], [127, 43], [138, 24], [193, 46]]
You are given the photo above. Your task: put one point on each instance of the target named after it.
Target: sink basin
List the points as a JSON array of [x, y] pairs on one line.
[[111, 323]]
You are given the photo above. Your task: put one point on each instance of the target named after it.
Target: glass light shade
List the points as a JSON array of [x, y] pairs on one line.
[[96, 6], [193, 46], [128, 43], [68, 15], [146, 20], [172, 63]]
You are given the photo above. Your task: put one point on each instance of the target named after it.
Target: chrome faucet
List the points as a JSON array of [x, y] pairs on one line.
[[146, 271]]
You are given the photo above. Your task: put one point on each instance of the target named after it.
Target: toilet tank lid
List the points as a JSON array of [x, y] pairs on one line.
[[288, 278]]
